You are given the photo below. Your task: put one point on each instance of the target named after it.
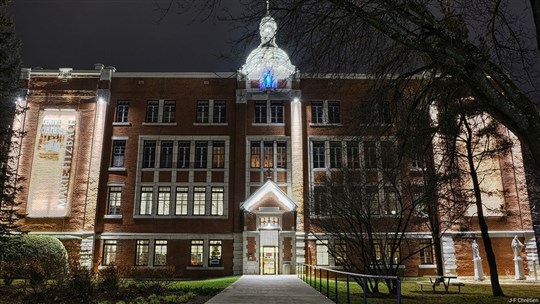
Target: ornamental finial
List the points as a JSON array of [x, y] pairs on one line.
[[267, 7]]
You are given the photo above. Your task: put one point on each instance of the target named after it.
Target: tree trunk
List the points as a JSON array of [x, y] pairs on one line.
[[494, 276]]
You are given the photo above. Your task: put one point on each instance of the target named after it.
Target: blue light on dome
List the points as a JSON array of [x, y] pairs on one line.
[[267, 80]]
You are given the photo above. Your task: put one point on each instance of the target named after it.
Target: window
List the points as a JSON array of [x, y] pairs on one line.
[[160, 253], [392, 253], [377, 248], [260, 112], [373, 199], [391, 202], [276, 112], [152, 110], [166, 155], [417, 162], [322, 252], [388, 155], [370, 155], [268, 154], [376, 113], [146, 200], [197, 247], [214, 255], [218, 154], [183, 154], [149, 154], [181, 201], [141, 255], [119, 153], [220, 114], [318, 154], [203, 114], [333, 112], [353, 156], [255, 161], [169, 111], [335, 154], [201, 154], [320, 201], [199, 200], [122, 108], [109, 252], [115, 199], [281, 155], [426, 252], [217, 201], [317, 112], [340, 250], [164, 200]]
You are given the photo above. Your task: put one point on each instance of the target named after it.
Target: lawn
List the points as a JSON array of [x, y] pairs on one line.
[[470, 293]]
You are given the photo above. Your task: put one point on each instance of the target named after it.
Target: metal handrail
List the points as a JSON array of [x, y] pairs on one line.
[[300, 267]]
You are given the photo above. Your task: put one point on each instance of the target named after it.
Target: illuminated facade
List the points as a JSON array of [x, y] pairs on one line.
[[210, 173]]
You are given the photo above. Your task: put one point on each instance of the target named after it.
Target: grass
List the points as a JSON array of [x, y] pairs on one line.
[[410, 290], [217, 283]]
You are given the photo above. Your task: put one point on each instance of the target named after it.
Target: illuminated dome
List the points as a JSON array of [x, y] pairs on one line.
[[268, 63]]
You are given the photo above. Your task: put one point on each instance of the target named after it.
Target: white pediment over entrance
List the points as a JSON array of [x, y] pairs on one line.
[[269, 196]]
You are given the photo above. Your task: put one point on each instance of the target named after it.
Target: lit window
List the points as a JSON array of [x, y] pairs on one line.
[[215, 253], [146, 200], [322, 252], [197, 251], [109, 252], [122, 109], [318, 154], [141, 254], [333, 112], [166, 155], [169, 111], [201, 154], [218, 154], [255, 161], [276, 112], [268, 154], [181, 201], [392, 254], [391, 202], [119, 153], [370, 155], [426, 252], [152, 110], [183, 154], [115, 199], [335, 154], [220, 114], [160, 253], [164, 200], [199, 200], [149, 154], [260, 112], [217, 201], [377, 250], [353, 156], [317, 112], [281, 155], [203, 115]]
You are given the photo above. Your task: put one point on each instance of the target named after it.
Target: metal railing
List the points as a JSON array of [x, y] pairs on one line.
[[308, 273]]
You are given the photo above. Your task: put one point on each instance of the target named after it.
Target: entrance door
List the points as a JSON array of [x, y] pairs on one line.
[[269, 259]]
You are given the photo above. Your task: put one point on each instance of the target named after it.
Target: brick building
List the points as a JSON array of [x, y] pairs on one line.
[[212, 173]]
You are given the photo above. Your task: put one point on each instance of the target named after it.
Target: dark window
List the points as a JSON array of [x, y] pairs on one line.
[[335, 154], [260, 112], [183, 154], [201, 154], [281, 155], [318, 154], [149, 154], [166, 155], [268, 154], [370, 155], [372, 194], [220, 115], [141, 256], [317, 112], [426, 252], [119, 153], [202, 112], [333, 112], [353, 156], [169, 111], [122, 109], [391, 202], [276, 111], [215, 253], [384, 115], [218, 154], [320, 201], [340, 248], [152, 110], [255, 155], [388, 155], [115, 199]]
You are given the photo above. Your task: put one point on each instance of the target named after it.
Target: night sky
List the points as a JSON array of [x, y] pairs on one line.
[[123, 34]]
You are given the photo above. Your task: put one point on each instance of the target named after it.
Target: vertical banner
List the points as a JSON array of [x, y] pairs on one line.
[[53, 164]]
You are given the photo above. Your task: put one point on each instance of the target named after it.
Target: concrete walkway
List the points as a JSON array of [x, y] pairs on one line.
[[269, 289]]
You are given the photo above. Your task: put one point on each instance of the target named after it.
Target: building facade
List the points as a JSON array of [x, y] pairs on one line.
[[211, 174]]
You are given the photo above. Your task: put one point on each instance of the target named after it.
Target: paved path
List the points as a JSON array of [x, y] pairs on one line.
[[269, 289]]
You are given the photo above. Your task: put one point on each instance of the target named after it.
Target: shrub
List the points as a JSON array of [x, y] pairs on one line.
[[35, 258]]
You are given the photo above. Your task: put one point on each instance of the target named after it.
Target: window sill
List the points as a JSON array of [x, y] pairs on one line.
[[121, 123], [117, 169], [210, 123], [427, 266], [268, 124], [159, 124], [112, 216], [325, 125], [177, 217], [204, 268]]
